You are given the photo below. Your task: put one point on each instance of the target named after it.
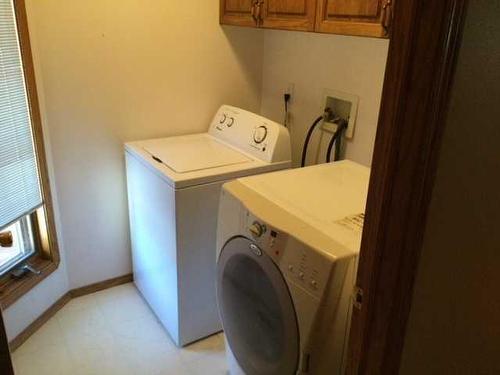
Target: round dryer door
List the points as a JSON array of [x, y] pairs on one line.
[[257, 311]]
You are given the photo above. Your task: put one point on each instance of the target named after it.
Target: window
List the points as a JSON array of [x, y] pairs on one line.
[[27, 232], [19, 244]]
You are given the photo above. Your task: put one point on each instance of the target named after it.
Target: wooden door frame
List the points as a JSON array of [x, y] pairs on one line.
[[5, 360], [425, 40]]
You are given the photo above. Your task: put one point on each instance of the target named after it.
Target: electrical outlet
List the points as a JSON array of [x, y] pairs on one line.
[[290, 90], [343, 105]]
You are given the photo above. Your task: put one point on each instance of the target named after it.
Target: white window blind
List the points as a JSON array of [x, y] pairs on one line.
[[19, 183]]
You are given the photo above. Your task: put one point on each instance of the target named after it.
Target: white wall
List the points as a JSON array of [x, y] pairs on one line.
[[454, 323], [314, 62], [117, 71], [110, 71]]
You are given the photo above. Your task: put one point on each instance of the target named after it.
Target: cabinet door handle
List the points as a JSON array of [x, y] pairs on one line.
[[259, 11], [253, 12], [387, 16]]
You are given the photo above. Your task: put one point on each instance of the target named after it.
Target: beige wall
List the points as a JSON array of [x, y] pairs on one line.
[[314, 62], [114, 71], [110, 71], [454, 325]]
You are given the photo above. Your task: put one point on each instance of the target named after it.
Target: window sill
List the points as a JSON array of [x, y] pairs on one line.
[[11, 289]]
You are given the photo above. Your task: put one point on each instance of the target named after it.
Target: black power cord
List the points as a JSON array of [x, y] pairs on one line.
[[326, 115], [286, 98], [342, 126], [338, 149]]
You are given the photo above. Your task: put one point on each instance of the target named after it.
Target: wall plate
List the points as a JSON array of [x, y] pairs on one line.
[[344, 105]]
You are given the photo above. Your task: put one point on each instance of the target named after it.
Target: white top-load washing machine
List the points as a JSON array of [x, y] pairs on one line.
[[173, 192], [288, 244]]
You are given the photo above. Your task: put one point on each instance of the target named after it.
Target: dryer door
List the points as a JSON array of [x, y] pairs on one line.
[[257, 311]]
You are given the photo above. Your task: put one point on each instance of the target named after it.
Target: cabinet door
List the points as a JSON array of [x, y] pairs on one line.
[[354, 17], [288, 14], [238, 12]]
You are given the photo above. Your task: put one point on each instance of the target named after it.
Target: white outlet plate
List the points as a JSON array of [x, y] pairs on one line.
[[330, 95]]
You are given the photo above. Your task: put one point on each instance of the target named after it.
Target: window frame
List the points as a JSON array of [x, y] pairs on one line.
[[47, 258]]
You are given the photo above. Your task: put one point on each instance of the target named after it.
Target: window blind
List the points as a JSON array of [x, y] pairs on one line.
[[19, 183]]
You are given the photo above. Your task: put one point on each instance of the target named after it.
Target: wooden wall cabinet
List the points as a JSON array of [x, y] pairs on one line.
[[238, 12], [348, 17], [288, 14], [354, 17]]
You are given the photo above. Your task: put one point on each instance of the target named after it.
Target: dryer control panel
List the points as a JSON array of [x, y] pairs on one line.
[[306, 268], [262, 138]]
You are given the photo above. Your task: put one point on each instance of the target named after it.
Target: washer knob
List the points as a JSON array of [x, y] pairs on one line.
[[223, 118], [257, 229], [260, 134], [230, 122]]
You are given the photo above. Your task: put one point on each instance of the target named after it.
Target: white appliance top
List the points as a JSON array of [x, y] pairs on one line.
[[238, 143], [329, 197], [188, 154]]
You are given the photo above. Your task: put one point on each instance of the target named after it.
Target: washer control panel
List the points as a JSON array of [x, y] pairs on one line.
[[258, 136], [299, 264], [225, 121]]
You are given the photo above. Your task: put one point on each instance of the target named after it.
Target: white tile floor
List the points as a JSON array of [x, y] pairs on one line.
[[113, 332]]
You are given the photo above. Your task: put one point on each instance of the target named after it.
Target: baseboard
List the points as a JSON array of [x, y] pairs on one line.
[[96, 287], [40, 321], [59, 304]]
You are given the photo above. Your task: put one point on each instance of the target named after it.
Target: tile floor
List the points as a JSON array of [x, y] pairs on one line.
[[113, 332]]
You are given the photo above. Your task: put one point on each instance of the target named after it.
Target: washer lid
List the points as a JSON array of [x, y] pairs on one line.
[[193, 153]]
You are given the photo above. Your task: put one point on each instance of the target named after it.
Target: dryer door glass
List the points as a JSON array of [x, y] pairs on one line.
[[257, 311]]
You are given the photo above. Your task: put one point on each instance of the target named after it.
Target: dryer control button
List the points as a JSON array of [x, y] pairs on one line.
[[314, 284], [301, 275], [290, 268], [255, 249]]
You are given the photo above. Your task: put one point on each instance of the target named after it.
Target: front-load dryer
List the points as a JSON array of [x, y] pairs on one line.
[[288, 244], [173, 193]]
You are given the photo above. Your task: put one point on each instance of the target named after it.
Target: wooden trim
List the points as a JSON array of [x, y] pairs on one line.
[[422, 57], [61, 302], [39, 322], [29, 73], [12, 290], [366, 29], [106, 284]]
